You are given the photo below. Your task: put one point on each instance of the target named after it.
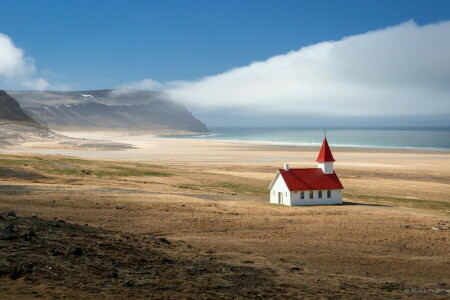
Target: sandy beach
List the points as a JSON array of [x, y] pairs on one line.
[[389, 236]]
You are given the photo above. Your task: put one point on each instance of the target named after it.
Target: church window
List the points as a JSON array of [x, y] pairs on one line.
[[311, 194], [320, 194], [328, 194], [302, 195]]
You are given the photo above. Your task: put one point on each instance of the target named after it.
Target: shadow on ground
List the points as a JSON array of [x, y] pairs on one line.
[[364, 204]]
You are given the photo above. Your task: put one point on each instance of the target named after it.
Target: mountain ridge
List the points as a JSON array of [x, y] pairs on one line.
[[11, 111], [109, 109]]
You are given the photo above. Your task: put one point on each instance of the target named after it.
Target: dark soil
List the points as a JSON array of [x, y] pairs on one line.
[[18, 174], [42, 256]]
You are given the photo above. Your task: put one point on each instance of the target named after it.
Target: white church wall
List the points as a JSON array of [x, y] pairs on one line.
[[336, 198], [279, 186]]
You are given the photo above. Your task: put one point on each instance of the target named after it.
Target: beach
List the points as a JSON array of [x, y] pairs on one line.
[[389, 236]]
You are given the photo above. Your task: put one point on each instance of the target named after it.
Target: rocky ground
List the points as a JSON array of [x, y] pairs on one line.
[[55, 259], [41, 256], [14, 134]]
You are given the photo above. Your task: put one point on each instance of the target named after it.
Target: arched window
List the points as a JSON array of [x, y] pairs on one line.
[[302, 195], [311, 194], [320, 194], [328, 194]]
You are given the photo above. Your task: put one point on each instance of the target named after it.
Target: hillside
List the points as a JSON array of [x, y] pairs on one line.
[[111, 264], [10, 110], [107, 109]]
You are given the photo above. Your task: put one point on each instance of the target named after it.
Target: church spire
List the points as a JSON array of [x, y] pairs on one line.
[[325, 153]]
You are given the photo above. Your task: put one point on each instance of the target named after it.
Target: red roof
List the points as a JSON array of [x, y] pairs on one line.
[[325, 153], [310, 179]]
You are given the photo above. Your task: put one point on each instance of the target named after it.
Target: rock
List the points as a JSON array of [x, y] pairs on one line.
[[54, 252], [11, 213], [111, 274], [28, 234], [440, 228], [166, 261], [7, 232], [75, 251], [57, 278], [87, 172], [164, 240], [19, 271], [15, 273], [5, 235], [129, 284]]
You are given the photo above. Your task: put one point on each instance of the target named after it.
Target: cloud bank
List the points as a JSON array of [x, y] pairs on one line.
[[400, 70], [16, 69], [146, 84]]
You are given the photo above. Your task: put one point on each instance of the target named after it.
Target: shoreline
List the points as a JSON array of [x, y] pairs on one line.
[[358, 148], [163, 146], [197, 151], [130, 137]]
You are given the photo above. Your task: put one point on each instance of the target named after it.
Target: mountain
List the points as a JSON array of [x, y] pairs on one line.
[[10, 110], [131, 110]]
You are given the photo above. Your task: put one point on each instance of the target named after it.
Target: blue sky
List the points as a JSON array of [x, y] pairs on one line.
[[242, 62], [104, 44]]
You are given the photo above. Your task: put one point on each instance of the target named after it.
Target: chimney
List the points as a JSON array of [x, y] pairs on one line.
[[286, 167]]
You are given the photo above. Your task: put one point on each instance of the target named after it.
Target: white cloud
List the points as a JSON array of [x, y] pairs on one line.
[[400, 70], [146, 84], [16, 69]]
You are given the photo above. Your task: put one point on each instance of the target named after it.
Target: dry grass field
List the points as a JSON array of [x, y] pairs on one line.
[[201, 207]]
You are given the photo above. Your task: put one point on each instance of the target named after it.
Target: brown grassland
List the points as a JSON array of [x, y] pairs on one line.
[[175, 218]]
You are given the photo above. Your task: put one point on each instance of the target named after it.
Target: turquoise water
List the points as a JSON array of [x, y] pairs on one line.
[[437, 138]]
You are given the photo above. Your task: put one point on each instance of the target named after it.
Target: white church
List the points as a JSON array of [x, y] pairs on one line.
[[308, 186]]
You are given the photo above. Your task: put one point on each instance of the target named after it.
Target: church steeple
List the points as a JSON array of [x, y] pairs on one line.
[[325, 159], [325, 153]]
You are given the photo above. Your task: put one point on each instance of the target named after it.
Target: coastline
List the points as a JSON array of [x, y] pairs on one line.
[[357, 148], [414, 138], [135, 138], [155, 144]]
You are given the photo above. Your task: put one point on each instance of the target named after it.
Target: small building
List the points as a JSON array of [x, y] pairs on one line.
[[308, 186]]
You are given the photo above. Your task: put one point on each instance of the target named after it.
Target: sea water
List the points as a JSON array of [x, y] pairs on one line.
[[433, 138]]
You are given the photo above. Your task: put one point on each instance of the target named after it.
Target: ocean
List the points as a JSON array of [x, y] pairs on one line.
[[431, 138]]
